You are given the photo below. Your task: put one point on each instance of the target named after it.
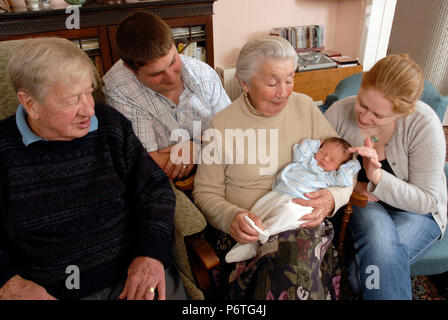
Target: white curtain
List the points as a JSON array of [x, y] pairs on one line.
[[420, 28], [435, 62]]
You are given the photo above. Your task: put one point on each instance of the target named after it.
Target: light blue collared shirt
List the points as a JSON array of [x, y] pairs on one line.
[[29, 136]]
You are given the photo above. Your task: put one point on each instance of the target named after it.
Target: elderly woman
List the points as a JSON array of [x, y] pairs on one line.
[[278, 118], [84, 210], [402, 145]]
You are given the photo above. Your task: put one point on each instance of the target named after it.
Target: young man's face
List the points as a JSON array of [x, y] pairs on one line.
[[163, 75], [330, 156]]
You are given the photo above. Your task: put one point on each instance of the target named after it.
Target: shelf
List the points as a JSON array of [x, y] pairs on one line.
[[99, 21], [319, 83]]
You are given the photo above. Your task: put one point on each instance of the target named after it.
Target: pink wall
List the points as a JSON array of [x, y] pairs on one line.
[[237, 21]]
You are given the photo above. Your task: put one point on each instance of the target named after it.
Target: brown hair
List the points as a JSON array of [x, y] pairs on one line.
[[399, 78], [341, 142], [141, 38]]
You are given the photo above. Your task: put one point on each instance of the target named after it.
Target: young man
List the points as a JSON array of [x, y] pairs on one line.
[[160, 90]]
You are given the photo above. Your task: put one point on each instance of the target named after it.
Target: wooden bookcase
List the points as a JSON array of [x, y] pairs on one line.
[[99, 20], [319, 83]]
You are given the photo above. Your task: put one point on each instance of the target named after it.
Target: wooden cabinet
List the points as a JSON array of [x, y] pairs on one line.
[[98, 24], [319, 83]]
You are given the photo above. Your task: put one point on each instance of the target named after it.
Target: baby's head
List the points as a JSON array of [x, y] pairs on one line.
[[332, 153]]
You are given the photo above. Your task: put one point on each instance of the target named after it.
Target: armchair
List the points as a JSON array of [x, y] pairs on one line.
[[192, 256], [435, 260]]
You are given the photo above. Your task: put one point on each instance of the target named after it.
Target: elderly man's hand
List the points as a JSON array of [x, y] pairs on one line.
[[18, 288], [145, 275], [323, 203]]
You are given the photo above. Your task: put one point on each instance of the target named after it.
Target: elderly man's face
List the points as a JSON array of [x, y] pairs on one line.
[[65, 113], [164, 75], [271, 86]]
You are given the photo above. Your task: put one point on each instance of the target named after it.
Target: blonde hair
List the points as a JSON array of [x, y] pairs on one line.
[[40, 63], [263, 47], [399, 78]]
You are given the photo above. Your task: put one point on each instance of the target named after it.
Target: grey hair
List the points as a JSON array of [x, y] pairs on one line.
[[40, 63], [263, 47]]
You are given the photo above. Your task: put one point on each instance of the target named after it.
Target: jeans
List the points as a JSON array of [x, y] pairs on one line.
[[385, 244]]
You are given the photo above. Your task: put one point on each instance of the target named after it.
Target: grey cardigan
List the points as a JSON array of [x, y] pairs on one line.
[[416, 152]]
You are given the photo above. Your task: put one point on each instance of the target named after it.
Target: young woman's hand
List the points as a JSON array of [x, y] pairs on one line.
[[370, 161]]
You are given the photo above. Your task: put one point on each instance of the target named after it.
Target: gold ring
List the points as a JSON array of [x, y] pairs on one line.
[[185, 167], [151, 289]]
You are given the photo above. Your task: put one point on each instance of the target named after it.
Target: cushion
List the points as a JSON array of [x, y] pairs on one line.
[[434, 261], [431, 97], [346, 87], [8, 98]]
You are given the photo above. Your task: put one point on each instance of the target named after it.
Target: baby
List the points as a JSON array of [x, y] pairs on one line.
[[314, 166]]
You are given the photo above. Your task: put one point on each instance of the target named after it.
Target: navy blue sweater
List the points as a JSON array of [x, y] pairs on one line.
[[96, 202]]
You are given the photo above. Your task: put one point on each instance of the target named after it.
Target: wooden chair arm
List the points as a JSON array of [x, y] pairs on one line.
[[202, 259], [358, 200], [185, 185]]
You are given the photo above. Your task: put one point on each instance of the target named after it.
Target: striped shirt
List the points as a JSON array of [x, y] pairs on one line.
[[154, 116], [304, 175]]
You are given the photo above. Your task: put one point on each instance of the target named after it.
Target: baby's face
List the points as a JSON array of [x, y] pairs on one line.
[[330, 156]]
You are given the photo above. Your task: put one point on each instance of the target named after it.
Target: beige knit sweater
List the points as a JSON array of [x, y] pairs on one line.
[[222, 190]]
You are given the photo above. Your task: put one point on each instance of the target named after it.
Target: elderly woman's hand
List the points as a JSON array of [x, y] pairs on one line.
[[241, 230], [370, 161], [323, 203]]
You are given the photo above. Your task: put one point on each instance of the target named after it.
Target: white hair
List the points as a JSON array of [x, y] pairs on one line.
[[254, 51], [40, 63]]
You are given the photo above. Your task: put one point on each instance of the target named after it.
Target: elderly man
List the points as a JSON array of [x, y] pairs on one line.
[[84, 210], [160, 90]]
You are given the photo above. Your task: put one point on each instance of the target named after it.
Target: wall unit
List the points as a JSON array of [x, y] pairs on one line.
[[98, 24], [319, 83]]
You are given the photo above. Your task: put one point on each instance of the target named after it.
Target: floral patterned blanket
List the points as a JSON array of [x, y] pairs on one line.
[[300, 264]]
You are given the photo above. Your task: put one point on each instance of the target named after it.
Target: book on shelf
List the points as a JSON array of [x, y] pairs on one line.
[[345, 60], [314, 61], [87, 44], [184, 32], [347, 65], [302, 37], [331, 53], [192, 49]]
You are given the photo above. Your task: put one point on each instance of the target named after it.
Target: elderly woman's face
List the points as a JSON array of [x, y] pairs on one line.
[[65, 113], [271, 86]]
